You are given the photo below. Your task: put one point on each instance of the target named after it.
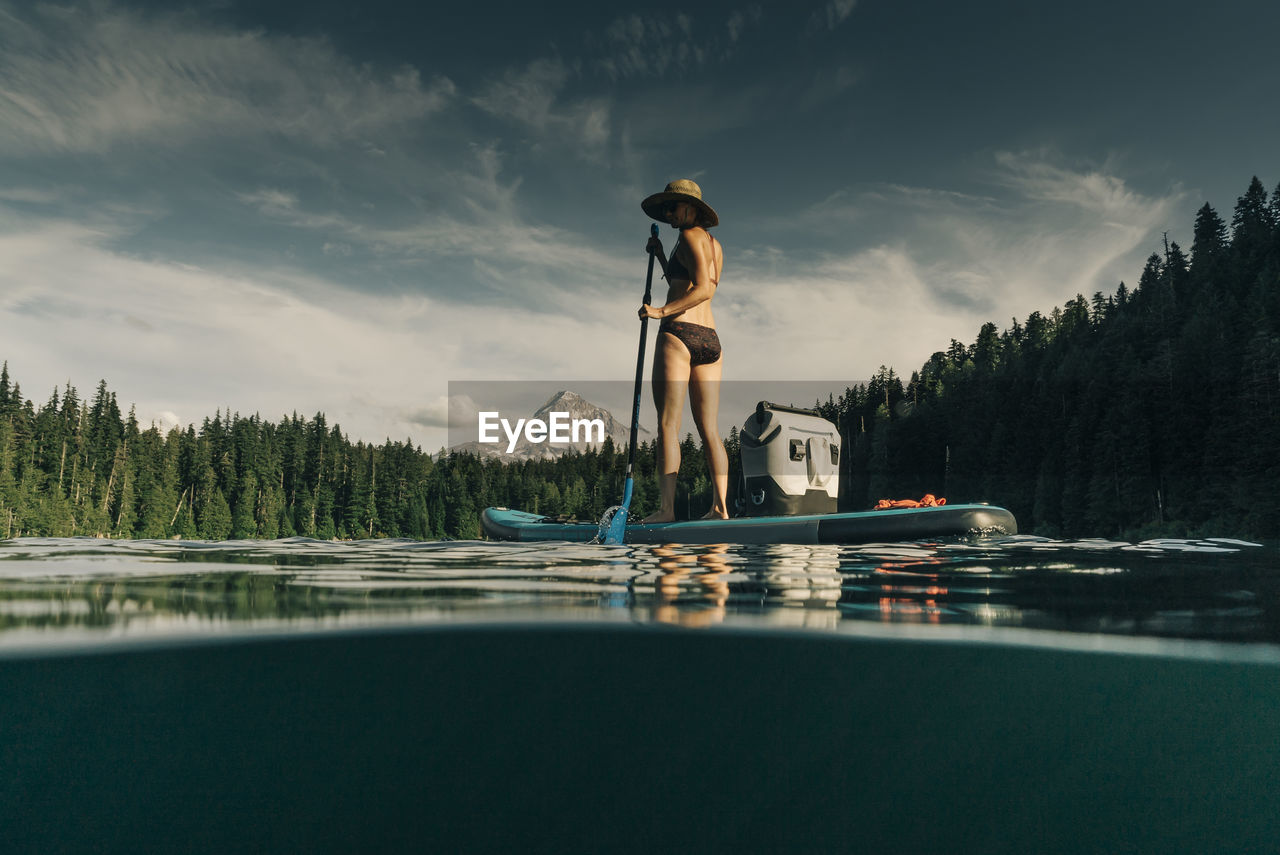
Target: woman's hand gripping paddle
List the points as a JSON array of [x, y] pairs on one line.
[[618, 525]]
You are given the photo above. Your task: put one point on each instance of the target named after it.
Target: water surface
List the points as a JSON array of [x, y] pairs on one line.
[[72, 590]]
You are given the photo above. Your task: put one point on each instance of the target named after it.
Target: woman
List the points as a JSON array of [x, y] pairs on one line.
[[687, 355]]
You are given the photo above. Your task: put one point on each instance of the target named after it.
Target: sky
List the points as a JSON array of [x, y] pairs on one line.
[[280, 207]]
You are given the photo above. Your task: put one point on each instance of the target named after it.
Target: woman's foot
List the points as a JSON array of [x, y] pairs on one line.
[[658, 517], [713, 514]]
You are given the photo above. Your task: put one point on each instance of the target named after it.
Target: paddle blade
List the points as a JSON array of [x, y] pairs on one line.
[[617, 532]]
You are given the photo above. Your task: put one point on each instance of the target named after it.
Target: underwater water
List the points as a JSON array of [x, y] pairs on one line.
[[1004, 694]]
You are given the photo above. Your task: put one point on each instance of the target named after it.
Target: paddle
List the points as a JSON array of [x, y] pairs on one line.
[[618, 525]]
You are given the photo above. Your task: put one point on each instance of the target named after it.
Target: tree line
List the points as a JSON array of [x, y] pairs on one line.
[[1149, 411], [1152, 410], [80, 467]]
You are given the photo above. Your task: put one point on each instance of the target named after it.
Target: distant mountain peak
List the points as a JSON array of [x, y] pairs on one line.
[[565, 400]]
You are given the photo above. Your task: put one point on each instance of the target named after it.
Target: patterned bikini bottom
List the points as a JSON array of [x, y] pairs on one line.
[[703, 343]]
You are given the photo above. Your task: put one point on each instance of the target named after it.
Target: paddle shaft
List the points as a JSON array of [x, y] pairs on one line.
[[618, 526], [644, 338]]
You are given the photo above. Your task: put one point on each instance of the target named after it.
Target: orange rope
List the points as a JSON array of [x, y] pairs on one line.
[[929, 501]]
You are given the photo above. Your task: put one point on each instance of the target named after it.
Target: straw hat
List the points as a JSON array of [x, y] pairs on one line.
[[681, 190]]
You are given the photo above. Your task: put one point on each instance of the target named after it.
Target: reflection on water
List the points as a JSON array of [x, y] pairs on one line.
[[787, 585], [1220, 589], [705, 570]]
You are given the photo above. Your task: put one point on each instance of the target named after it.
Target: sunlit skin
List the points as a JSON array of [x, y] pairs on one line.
[[673, 376]]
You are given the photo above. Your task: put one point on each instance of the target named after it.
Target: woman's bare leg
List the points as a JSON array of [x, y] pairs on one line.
[[704, 398], [670, 384]]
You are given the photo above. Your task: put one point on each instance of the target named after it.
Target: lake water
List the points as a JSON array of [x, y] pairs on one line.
[[67, 591], [1006, 694]]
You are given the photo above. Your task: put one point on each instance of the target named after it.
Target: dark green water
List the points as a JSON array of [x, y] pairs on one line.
[[1000, 695]]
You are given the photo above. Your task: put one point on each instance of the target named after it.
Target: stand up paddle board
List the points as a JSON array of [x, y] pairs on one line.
[[857, 527]]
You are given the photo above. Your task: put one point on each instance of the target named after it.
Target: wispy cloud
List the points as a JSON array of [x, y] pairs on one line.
[[650, 47], [742, 19], [641, 46], [826, 86], [832, 15], [946, 263], [89, 78], [28, 195], [1092, 191], [485, 227], [283, 206], [531, 96]]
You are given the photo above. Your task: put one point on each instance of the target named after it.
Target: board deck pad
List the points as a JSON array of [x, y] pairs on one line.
[[852, 527]]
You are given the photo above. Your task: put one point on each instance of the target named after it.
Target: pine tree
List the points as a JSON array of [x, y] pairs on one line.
[[1251, 230], [1208, 247], [879, 469], [244, 523], [214, 521]]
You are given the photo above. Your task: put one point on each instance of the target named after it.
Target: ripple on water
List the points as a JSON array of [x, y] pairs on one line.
[[1219, 589]]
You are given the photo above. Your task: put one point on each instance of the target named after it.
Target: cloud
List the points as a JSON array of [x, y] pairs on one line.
[[832, 15], [483, 286], [827, 85], [436, 414], [28, 195], [526, 95], [488, 232], [740, 19], [530, 96], [165, 420], [641, 47], [271, 201], [946, 263], [934, 264], [93, 77], [184, 339], [834, 317], [454, 412], [1093, 192]]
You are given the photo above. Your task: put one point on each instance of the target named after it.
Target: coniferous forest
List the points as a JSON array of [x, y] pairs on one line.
[[1153, 410]]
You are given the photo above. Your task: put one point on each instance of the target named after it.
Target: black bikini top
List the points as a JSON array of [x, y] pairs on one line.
[[676, 268]]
